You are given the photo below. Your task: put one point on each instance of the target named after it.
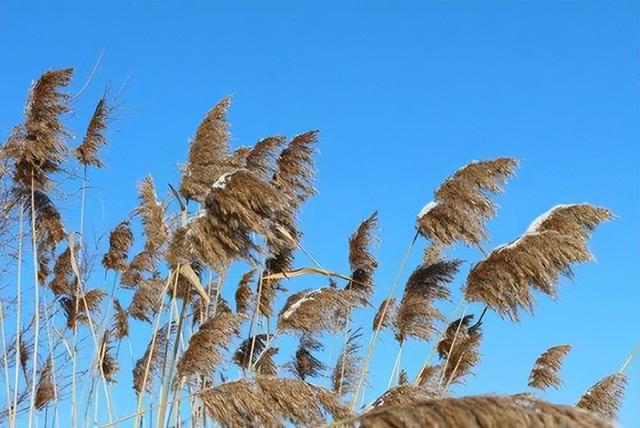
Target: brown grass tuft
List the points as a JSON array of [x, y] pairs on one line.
[[205, 350], [207, 154], [544, 373], [605, 397], [344, 377], [479, 411], [87, 152], [45, 388], [385, 316], [120, 242], [120, 321], [80, 306], [462, 203], [38, 146], [362, 262], [536, 260], [460, 346], [416, 314], [147, 367], [244, 296], [305, 364], [324, 309]]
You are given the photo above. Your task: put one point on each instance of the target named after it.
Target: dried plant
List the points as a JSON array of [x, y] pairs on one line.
[[479, 411], [107, 363], [324, 309], [238, 204], [153, 217], [404, 395], [207, 154], [385, 316], [362, 262], [295, 170], [462, 203], [503, 280], [81, 306], [605, 397], [345, 372], [87, 152], [244, 296], [305, 364], [38, 146], [265, 365], [247, 206], [262, 157], [45, 388], [577, 220], [148, 366], [147, 299], [269, 403], [205, 350], [244, 355], [64, 279], [544, 373], [120, 242], [416, 314], [280, 262], [120, 321], [460, 346]]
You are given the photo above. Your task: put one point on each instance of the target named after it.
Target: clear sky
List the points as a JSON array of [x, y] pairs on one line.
[[403, 94]]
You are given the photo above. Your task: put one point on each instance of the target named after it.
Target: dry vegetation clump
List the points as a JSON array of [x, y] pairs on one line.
[[149, 310]]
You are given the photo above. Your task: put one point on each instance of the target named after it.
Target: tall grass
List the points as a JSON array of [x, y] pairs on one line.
[[199, 360]]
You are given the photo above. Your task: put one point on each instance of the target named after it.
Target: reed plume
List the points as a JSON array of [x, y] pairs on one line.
[[64, 279], [269, 402], [206, 346], [120, 242], [416, 314], [577, 220], [38, 146], [282, 261], [362, 262], [238, 204], [503, 280], [462, 204], [344, 377], [207, 154], [405, 395], [544, 373], [152, 213], [244, 296], [120, 328], [45, 389], [262, 157], [310, 312], [605, 397], [81, 306], [460, 347], [479, 411], [148, 366], [385, 316], [147, 300], [87, 152], [244, 356], [107, 363], [305, 364]]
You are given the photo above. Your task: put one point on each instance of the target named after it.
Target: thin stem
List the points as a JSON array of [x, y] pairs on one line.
[[396, 365], [36, 303], [18, 315]]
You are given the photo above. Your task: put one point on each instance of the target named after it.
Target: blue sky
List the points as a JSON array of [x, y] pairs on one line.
[[403, 94]]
